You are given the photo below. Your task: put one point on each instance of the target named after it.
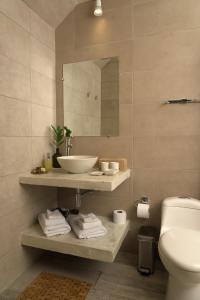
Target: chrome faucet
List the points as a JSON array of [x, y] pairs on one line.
[[68, 145]]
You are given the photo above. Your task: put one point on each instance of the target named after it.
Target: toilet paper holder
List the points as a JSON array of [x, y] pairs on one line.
[[143, 200]]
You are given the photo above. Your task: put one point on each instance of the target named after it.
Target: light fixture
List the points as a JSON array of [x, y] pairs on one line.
[[98, 11]]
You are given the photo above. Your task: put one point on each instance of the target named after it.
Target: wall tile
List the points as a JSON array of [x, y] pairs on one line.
[[42, 31], [13, 195], [66, 48], [14, 41], [40, 147], [15, 117], [125, 120], [27, 214], [16, 155], [42, 118], [18, 11], [178, 183], [178, 153], [167, 153], [6, 234], [14, 263], [123, 191], [115, 25], [170, 49], [113, 4], [172, 83], [151, 118], [19, 204], [178, 121], [123, 50], [15, 79], [137, 2], [158, 16], [146, 18], [120, 147], [42, 59], [4, 204], [145, 118], [2, 155], [144, 155], [125, 87], [42, 90], [145, 183]]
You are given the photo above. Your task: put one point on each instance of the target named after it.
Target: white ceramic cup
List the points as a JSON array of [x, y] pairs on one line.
[[114, 165], [104, 166]]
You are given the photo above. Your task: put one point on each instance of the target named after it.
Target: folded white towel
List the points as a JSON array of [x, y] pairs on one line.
[[86, 233], [88, 218], [58, 232], [88, 225], [55, 214], [55, 227], [53, 230], [51, 225], [52, 222]]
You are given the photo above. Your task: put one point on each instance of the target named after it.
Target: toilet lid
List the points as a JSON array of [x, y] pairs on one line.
[[182, 246]]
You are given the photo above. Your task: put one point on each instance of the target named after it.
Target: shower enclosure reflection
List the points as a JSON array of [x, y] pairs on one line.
[[91, 97]]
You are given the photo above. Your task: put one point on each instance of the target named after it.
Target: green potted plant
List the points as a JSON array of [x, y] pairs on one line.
[[57, 134]]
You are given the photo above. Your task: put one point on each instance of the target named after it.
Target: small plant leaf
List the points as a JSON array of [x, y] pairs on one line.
[[67, 131], [57, 135]]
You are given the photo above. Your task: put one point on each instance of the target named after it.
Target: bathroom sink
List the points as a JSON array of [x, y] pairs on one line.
[[77, 163]]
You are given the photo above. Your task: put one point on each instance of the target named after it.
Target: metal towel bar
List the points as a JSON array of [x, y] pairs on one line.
[[181, 101]]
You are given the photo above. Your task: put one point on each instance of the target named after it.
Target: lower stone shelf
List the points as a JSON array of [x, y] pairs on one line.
[[102, 248]]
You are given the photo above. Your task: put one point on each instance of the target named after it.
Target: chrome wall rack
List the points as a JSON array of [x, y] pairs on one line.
[[181, 101]]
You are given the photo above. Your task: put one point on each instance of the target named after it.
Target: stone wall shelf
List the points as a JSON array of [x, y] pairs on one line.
[[102, 248], [82, 181]]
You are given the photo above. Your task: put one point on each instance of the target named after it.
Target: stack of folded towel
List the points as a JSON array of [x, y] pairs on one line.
[[53, 223], [87, 226]]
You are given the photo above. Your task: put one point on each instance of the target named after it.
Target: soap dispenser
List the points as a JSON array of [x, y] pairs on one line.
[[48, 162]]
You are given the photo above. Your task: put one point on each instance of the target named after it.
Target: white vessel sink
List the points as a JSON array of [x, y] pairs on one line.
[[77, 163]]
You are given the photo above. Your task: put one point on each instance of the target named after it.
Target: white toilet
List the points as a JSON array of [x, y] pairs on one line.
[[179, 247]]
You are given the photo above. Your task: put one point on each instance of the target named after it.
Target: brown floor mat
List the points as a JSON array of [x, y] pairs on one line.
[[48, 286]]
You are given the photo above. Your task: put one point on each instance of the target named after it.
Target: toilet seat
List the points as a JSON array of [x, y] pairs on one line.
[[182, 248], [179, 247]]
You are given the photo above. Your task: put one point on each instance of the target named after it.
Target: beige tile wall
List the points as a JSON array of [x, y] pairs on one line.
[[27, 107], [159, 51]]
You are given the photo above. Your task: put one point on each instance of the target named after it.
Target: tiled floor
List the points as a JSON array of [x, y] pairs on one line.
[[111, 281]]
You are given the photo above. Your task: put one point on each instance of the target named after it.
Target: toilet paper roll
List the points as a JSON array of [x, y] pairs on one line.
[[119, 216], [143, 211]]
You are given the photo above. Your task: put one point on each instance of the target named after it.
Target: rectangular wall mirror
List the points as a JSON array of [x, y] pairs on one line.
[[91, 97]]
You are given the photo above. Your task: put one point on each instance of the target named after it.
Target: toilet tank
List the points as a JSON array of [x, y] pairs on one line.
[[180, 212]]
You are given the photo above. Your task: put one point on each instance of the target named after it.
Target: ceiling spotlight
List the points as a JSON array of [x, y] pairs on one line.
[[98, 11]]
